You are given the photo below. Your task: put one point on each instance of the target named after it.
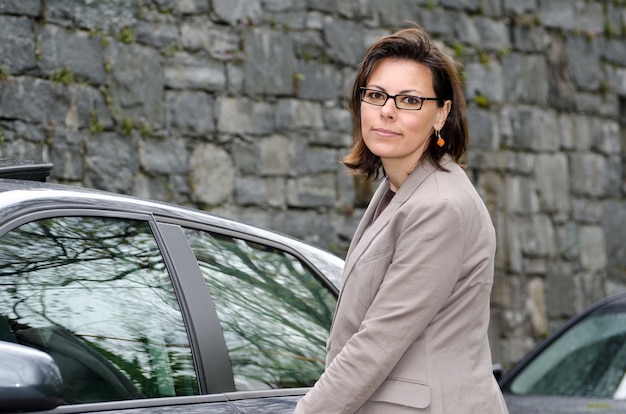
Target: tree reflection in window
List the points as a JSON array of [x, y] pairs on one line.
[[274, 312], [94, 293]]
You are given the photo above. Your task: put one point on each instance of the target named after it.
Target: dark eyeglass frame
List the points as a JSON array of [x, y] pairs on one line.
[[364, 90]]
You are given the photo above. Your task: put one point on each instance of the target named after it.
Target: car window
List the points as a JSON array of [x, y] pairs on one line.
[[589, 359], [95, 294], [274, 312]]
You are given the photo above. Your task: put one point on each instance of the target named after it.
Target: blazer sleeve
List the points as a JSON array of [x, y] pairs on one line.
[[425, 267]]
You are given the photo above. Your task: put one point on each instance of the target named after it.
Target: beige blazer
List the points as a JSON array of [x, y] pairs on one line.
[[410, 329]]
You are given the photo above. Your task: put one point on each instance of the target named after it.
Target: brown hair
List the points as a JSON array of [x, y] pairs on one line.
[[411, 44]]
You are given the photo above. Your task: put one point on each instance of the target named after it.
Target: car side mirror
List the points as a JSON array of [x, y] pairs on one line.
[[497, 371], [29, 379]]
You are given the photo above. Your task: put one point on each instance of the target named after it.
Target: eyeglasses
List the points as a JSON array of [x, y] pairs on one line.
[[380, 98]]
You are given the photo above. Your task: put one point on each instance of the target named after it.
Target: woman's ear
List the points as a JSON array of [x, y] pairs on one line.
[[443, 114]]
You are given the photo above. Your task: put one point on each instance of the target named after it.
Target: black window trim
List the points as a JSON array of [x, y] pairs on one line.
[[210, 351]]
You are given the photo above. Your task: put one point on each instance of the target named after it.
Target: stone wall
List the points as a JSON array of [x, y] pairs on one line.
[[237, 107]]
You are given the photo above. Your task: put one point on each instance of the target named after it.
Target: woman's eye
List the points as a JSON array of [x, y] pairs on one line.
[[376, 96], [412, 100]]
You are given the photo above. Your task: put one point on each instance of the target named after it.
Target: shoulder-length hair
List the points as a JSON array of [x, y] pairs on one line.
[[411, 44]]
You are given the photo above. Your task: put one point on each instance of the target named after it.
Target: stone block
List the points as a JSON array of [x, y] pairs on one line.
[[538, 308], [594, 103], [244, 116], [136, 82], [313, 228], [269, 63], [111, 162], [568, 241], [560, 296], [530, 39], [491, 7], [319, 82], [34, 100], [66, 154], [160, 35], [17, 44], [522, 195], [331, 138], [592, 248], [484, 130], [614, 50], [277, 156], [238, 11], [294, 114], [76, 52], [87, 106], [494, 34], [558, 14], [219, 42], [486, 81], [394, 13], [165, 155], [245, 154], [538, 236], [530, 128], [269, 192], [21, 7], [582, 132], [212, 174], [587, 211], [191, 113], [192, 6], [21, 148], [466, 31], [526, 79], [562, 90], [344, 41], [337, 119], [588, 174], [203, 75], [614, 218], [108, 16], [517, 7], [605, 136], [316, 160], [584, 62], [312, 191], [552, 180], [18, 129]]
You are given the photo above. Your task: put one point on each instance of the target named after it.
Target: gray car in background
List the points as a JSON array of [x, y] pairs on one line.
[[114, 303], [581, 368]]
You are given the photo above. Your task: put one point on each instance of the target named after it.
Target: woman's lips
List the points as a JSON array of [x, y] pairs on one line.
[[385, 132]]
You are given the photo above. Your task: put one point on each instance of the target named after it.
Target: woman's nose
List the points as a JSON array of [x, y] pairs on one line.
[[388, 110]]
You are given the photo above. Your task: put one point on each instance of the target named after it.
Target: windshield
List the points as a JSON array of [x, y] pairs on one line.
[[589, 359]]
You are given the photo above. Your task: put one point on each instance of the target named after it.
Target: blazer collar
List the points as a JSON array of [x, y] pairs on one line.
[[366, 231]]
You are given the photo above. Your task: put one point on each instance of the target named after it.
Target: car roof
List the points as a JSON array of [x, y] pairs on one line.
[[17, 195]]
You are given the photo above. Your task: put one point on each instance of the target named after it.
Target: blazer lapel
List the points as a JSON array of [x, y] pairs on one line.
[[365, 231]]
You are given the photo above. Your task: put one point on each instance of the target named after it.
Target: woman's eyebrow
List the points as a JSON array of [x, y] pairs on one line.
[[402, 92]]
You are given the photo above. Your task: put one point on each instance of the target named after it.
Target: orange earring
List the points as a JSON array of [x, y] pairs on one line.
[[440, 140]]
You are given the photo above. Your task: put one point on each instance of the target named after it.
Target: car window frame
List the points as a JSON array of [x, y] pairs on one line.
[[204, 358]]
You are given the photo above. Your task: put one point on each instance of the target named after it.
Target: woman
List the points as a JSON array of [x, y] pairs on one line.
[[410, 328]]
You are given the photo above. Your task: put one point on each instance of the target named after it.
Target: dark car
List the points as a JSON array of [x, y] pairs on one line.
[[110, 302], [581, 368]]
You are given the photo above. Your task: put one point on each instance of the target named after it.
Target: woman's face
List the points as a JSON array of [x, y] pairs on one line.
[[399, 136]]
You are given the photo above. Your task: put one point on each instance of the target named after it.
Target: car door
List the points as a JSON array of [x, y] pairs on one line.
[[95, 291], [176, 315]]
